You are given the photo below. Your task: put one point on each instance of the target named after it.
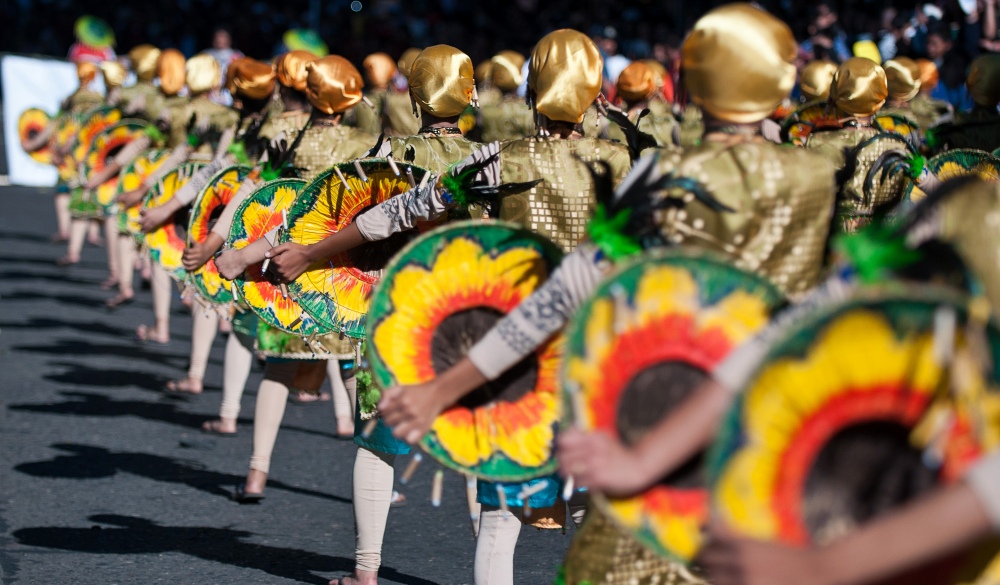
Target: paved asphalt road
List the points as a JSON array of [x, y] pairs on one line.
[[106, 480]]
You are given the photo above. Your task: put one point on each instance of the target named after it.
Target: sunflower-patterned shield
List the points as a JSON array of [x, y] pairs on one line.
[[901, 125], [130, 179], [103, 149], [65, 140], [438, 297], [94, 122], [336, 292], [800, 124], [642, 344], [205, 210], [259, 214], [960, 162], [30, 124], [166, 244], [857, 408]]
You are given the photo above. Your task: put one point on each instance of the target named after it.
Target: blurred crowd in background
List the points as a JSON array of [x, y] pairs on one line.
[[949, 32]]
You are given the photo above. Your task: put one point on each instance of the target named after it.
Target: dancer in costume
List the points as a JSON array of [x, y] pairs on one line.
[[380, 71], [143, 99], [903, 84], [291, 74], [399, 116], [333, 86], [508, 117], [76, 104], [196, 129], [815, 80], [870, 185], [774, 220], [251, 84], [980, 127], [929, 112], [639, 93]]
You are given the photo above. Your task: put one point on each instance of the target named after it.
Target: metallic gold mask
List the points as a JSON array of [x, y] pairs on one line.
[[441, 81], [859, 87], [250, 79], [333, 85], [202, 73], [291, 68], [984, 81], [406, 61], [143, 59], [738, 63], [902, 76], [637, 82], [505, 70], [86, 72], [379, 69], [816, 78], [564, 75], [114, 73], [170, 70]]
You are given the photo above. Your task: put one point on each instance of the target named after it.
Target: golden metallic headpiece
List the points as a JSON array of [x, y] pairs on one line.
[[928, 74], [902, 76], [505, 70], [250, 79], [738, 63], [332, 84], [859, 87], [114, 74], [170, 70], [86, 72], [564, 75], [816, 78], [984, 81], [441, 81], [202, 73], [637, 82], [406, 61], [143, 59], [291, 68], [379, 69]]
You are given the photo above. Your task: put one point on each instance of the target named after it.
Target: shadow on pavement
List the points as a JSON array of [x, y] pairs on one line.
[[134, 535], [99, 405], [83, 375], [62, 299], [15, 275], [89, 327], [82, 349], [87, 462]]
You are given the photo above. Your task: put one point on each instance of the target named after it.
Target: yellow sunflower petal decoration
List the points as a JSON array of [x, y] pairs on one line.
[[439, 296], [260, 213], [94, 122], [642, 343], [337, 291], [166, 244], [960, 162], [901, 125], [800, 124], [852, 413], [205, 210], [130, 179], [30, 124], [103, 149]]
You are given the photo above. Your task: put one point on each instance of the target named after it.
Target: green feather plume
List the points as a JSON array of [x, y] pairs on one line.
[[876, 251], [609, 233]]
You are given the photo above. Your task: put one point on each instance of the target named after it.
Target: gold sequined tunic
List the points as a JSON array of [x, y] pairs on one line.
[[560, 206], [508, 119]]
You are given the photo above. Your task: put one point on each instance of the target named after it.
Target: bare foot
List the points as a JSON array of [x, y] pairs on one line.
[[119, 300], [256, 480], [358, 578], [225, 326], [58, 238], [110, 282], [301, 397], [98, 241], [185, 386], [220, 426], [145, 333], [67, 261]]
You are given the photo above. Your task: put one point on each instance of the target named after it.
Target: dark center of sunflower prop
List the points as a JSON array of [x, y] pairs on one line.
[[453, 339], [371, 257], [649, 397], [214, 216], [180, 222], [864, 471]]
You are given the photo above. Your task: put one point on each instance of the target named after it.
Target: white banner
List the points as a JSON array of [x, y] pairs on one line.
[[32, 83]]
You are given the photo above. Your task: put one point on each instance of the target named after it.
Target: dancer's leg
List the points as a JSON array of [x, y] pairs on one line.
[[77, 234], [63, 218], [235, 371], [272, 395], [498, 532]]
